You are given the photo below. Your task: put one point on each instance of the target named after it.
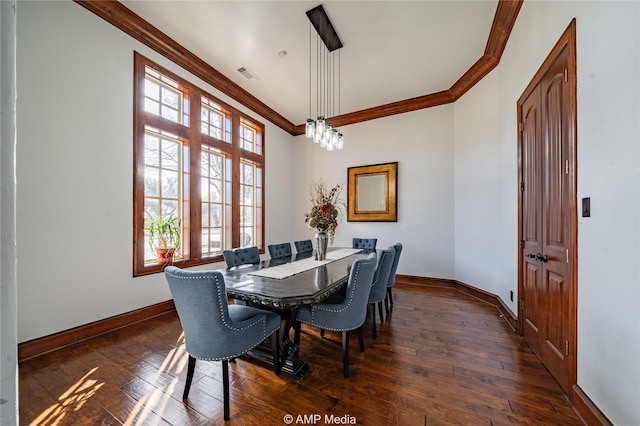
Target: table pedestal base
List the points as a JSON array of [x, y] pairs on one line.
[[290, 362]]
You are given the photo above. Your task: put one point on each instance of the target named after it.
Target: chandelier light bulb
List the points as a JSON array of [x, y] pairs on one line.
[[328, 130], [320, 125], [317, 136], [323, 142], [309, 129]]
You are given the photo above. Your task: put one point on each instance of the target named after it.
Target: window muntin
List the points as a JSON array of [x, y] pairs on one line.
[[206, 169]]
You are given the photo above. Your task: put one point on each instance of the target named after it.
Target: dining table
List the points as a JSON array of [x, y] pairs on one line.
[[283, 285]]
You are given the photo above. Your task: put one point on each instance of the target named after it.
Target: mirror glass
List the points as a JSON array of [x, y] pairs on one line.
[[372, 192]]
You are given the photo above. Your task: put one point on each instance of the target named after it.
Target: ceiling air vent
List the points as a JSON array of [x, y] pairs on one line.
[[248, 74]]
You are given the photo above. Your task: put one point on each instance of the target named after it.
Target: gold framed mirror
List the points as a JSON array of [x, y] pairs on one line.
[[372, 193]]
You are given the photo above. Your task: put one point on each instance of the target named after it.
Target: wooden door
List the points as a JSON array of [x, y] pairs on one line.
[[531, 160], [547, 285]]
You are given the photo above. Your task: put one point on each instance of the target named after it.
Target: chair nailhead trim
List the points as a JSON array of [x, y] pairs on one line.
[[376, 278], [324, 307], [262, 318]]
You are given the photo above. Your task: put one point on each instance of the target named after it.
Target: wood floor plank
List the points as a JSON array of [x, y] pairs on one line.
[[162, 402], [35, 401], [441, 358]]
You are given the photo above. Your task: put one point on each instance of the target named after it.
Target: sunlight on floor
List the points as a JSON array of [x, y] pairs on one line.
[[156, 402], [175, 358], [72, 400]]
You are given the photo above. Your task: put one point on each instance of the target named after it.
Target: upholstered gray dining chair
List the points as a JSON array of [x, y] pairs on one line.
[[215, 330], [241, 256], [277, 251], [392, 276], [303, 246], [379, 285], [347, 315], [368, 245]]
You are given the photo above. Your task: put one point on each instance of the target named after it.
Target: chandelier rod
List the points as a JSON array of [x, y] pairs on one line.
[[310, 33], [328, 80]]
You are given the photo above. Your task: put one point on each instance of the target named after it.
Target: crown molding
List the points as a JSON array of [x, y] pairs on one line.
[[124, 19]]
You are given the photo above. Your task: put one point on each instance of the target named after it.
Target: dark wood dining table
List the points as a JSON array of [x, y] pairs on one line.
[[285, 296]]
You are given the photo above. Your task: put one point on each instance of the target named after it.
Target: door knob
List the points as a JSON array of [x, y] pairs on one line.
[[531, 256], [542, 258]]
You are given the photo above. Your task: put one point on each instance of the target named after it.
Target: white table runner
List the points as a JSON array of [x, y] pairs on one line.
[[288, 269]]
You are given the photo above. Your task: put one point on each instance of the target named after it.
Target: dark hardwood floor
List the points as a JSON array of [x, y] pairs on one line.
[[441, 357]]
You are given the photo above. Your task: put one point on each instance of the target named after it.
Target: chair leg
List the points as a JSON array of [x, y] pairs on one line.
[[345, 353], [380, 312], [225, 384], [275, 349], [322, 332], [191, 367], [372, 307], [360, 339], [390, 296], [386, 302]]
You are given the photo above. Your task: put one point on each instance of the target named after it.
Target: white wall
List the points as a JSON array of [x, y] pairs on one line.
[[608, 48], [75, 171], [422, 144], [8, 279], [486, 204]]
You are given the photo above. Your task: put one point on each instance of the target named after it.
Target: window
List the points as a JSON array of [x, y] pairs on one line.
[[196, 159]]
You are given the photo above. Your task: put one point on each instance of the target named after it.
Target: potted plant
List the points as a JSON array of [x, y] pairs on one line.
[[164, 236]]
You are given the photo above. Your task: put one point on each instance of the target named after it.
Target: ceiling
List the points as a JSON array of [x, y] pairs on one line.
[[393, 50]]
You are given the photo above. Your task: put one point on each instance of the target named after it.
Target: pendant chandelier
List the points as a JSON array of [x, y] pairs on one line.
[[327, 81]]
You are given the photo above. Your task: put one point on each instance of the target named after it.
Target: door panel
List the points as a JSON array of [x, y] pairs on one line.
[[554, 165], [530, 318], [532, 157], [554, 332]]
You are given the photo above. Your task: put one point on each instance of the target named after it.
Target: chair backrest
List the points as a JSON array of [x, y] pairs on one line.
[[277, 251], [368, 245], [201, 303], [381, 275], [353, 311], [394, 266], [241, 256], [303, 246]]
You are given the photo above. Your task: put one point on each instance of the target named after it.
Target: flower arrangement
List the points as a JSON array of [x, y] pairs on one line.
[[327, 205]]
